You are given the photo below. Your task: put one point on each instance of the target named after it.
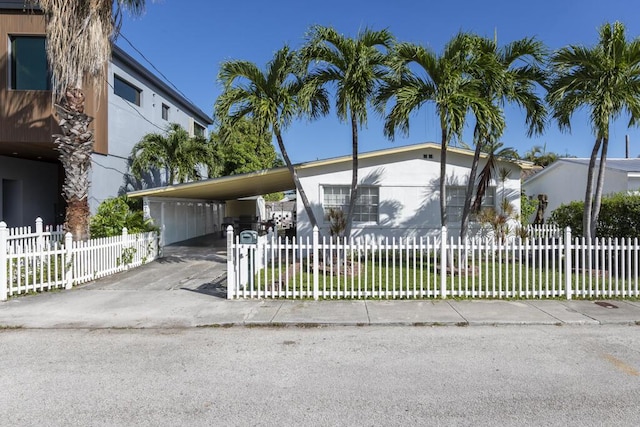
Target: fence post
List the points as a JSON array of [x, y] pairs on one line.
[[68, 260], [316, 237], [231, 274], [39, 237], [4, 233], [567, 262], [125, 255], [443, 263]]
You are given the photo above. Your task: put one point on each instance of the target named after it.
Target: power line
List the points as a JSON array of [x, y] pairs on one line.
[[155, 68], [136, 110]]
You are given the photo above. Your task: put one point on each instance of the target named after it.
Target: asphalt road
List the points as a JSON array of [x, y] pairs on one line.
[[364, 376]]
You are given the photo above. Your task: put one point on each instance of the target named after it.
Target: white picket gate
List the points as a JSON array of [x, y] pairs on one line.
[[440, 267], [34, 262]]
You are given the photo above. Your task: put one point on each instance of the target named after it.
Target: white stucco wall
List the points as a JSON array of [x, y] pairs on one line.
[[182, 219], [34, 191], [408, 192], [128, 123], [565, 182]]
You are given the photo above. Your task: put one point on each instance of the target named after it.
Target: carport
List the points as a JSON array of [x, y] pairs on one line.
[[193, 209]]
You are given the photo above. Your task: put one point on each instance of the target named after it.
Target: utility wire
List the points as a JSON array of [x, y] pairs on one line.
[[136, 110], [155, 68]]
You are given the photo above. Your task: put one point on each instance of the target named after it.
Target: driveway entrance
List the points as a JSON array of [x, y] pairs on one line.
[[197, 265]]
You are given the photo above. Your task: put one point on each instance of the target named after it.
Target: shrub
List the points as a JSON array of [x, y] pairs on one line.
[[116, 213], [569, 216], [619, 216]]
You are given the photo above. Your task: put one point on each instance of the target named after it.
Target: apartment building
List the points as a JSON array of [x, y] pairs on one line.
[[131, 103]]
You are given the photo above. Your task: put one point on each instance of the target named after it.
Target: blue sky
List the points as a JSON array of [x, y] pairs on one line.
[[187, 44]]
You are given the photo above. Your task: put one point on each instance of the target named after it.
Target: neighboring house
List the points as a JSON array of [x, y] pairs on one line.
[[565, 180], [399, 190], [132, 103]]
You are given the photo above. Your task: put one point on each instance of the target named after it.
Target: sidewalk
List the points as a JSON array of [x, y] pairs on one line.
[[187, 289], [96, 307]]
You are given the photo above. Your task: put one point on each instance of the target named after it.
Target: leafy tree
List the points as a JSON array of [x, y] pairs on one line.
[[177, 153], [354, 66], [507, 74], [605, 81], [271, 98], [116, 213], [245, 149], [444, 80], [79, 37]]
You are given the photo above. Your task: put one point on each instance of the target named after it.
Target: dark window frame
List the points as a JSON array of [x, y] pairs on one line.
[[165, 111], [198, 129], [119, 83], [14, 80]]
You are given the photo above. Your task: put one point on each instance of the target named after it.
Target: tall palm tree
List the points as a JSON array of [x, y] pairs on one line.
[[355, 66], [513, 74], [272, 99], [444, 80], [605, 81], [177, 153], [79, 35]]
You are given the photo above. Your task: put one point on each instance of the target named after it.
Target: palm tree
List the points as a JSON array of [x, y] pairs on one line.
[[443, 80], [604, 80], [495, 151], [539, 156], [271, 98], [511, 74], [177, 153], [79, 37], [354, 66]]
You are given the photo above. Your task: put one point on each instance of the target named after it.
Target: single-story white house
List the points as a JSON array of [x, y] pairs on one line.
[[399, 190], [565, 180]]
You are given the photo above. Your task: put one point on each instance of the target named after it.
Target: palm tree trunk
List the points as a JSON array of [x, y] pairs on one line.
[[597, 198], [443, 178], [464, 222], [75, 146], [588, 198], [296, 181], [354, 175]]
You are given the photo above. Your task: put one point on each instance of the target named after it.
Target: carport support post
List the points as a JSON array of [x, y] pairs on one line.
[[231, 274], [4, 234], [567, 263], [315, 262]]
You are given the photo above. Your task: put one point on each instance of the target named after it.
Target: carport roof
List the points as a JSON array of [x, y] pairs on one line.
[[274, 180], [227, 187]]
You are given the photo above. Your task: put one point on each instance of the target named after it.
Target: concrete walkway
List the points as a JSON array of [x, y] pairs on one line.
[[187, 288]]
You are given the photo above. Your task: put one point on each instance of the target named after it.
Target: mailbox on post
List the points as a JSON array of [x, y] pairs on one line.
[[249, 237]]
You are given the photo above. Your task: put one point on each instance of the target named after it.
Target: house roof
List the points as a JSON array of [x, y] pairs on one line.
[[630, 166], [623, 165], [278, 179]]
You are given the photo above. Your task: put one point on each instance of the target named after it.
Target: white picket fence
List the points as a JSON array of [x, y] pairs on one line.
[[440, 267], [42, 260]]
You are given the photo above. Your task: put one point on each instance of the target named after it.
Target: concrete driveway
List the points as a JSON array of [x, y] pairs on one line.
[[196, 265]]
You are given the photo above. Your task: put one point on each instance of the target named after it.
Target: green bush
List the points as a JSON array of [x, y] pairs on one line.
[[569, 216], [116, 213], [619, 216]]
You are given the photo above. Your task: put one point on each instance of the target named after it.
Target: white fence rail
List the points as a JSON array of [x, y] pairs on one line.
[[543, 267], [33, 262]]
